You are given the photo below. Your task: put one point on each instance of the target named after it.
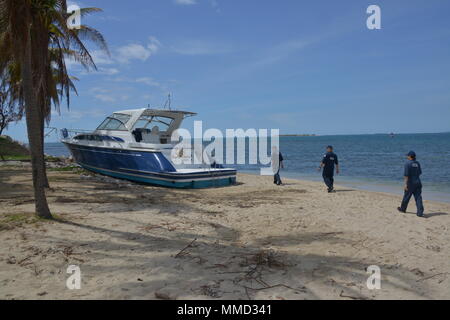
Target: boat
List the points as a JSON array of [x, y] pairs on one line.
[[136, 145]]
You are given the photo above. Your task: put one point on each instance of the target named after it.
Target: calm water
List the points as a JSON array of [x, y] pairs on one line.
[[372, 162]]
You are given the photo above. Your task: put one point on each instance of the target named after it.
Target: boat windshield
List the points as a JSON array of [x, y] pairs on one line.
[[116, 121], [149, 122]]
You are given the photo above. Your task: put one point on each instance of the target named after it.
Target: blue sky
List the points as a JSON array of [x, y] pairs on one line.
[[300, 66]]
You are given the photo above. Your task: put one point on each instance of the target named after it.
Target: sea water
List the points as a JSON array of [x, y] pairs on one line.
[[371, 162]]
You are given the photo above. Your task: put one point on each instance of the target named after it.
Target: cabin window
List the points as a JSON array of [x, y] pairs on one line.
[[121, 117], [115, 122], [148, 122], [96, 137]]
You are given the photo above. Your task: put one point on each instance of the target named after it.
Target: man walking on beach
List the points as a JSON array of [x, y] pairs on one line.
[[329, 161], [277, 164], [413, 185]]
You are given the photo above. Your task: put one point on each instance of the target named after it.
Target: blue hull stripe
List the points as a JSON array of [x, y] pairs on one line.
[[147, 167], [192, 184], [181, 175]]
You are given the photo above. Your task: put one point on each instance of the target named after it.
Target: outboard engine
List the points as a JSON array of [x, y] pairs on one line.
[[64, 133]]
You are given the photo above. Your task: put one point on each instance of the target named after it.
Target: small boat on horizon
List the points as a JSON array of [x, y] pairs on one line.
[[136, 145]]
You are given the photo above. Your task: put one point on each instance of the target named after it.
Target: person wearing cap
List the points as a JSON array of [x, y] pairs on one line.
[[329, 162], [413, 185]]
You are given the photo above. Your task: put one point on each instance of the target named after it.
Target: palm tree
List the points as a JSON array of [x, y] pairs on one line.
[[8, 110], [34, 36]]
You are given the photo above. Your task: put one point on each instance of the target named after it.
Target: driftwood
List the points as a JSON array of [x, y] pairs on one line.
[[182, 250], [434, 275]]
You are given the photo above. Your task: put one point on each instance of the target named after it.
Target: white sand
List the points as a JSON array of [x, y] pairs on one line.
[[254, 240]]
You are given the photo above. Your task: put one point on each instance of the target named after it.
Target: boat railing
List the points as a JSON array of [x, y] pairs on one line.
[[71, 133]]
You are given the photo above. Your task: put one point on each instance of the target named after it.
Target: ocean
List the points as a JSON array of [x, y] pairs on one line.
[[369, 162]]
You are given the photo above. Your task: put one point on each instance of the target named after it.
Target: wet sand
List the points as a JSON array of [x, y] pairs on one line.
[[250, 241]]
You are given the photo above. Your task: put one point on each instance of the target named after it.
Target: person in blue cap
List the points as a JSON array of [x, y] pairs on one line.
[[413, 185], [329, 162]]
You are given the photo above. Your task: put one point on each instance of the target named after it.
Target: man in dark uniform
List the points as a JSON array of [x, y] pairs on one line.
[[413, 185], [329, 161], [277, 164]]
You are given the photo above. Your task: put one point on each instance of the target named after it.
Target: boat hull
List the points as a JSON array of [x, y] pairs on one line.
[[147, 167]]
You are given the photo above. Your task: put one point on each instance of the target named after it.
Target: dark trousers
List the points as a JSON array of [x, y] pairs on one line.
[[277, 178], [417, 192], [329, 181]]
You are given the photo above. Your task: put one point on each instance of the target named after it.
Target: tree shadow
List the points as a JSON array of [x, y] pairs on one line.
[[213, 267], [15, 192], [138, 259]]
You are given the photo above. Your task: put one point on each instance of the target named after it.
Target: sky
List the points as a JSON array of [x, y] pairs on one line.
[[298, 66]]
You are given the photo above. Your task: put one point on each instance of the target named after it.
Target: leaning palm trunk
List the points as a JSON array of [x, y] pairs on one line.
[[41, 152], [32, 114]]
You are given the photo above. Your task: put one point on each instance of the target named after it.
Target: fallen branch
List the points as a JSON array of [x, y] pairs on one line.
[[181, 252], [435, 275], [23, 260], [274, 286], [246, 292]]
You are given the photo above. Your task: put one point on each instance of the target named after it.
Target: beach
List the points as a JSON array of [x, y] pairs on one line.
[[253, 240]]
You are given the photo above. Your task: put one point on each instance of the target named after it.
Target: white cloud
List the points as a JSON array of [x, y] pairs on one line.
[[281, 51], [108, 71], [110, 95], [100, 57], [71, 64], [123, 55], [104, 97], [101, 71], [132, 52], [199, 47], [78, 115], [103, 94], [153, 44], [136, 51], [186, 2], [148, 81], [215, 5]]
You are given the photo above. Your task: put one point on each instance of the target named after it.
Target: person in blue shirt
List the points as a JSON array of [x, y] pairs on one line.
[[413, 185], [328, 164]]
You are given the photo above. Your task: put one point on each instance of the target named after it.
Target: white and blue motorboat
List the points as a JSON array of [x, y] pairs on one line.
[[137, 145]]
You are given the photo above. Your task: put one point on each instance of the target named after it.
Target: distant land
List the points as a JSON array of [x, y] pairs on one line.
[[358, 134], [12, 150], [298, 135]]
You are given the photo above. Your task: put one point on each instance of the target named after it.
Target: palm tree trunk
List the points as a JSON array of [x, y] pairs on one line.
[[42, 129], [32, 114]]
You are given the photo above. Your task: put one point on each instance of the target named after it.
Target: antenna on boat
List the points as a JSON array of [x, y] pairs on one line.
[[168, 101]]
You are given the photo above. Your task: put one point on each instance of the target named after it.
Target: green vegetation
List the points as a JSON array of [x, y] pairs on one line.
[[74, 169], [12, 150], [52, 159], [10, 221]]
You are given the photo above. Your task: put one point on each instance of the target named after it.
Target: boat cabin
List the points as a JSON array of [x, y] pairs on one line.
[[150, 126]]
